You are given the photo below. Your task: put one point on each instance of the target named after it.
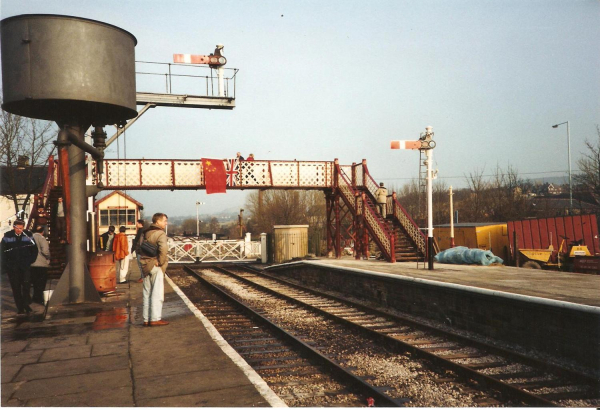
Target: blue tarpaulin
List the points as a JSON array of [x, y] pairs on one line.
[[461, 255]]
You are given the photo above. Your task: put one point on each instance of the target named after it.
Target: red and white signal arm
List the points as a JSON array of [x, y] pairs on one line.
[[396, 144], [199, 59]]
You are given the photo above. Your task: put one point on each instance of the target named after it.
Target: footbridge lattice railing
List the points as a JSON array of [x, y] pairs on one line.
[[379, 231], [189, 174]]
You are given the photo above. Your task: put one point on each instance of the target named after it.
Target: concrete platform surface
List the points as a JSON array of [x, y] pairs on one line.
[[99, 354], [576, 288]]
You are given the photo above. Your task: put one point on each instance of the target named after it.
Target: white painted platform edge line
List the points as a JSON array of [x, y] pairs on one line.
[[498, 293], [262, 387]]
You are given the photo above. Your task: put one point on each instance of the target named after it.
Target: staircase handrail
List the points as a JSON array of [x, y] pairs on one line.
[[381, 233], [49, 183], [408, 224], [400, 214]]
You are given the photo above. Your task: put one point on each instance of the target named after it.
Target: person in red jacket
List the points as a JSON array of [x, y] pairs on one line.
[[121, 250]]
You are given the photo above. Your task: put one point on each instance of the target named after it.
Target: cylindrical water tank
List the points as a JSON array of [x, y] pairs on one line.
[[66, 69], [103, 270]]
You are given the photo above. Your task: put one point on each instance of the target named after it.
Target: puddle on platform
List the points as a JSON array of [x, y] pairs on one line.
[[111, 319], [62, 323]]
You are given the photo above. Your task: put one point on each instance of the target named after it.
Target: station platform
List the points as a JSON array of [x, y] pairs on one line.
[[578, 288], [100, 354]]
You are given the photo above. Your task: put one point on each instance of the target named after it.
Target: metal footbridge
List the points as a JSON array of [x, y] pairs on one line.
[[352, 217]]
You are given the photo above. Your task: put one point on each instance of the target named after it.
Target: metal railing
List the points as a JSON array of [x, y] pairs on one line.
[[417, 237], [400, 215], [380, 233], [186, 77]]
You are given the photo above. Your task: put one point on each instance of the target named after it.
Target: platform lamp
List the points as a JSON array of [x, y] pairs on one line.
[[427, 144], [198, 218], [569, 153]]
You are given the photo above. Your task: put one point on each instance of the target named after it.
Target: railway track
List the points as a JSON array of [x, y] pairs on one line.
[[517, 377], [299, 373]]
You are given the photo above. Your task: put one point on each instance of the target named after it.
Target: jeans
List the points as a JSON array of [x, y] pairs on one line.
[[154, 295]]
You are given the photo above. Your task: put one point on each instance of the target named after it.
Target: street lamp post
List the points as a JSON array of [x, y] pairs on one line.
[[198, 218], [569, 153]]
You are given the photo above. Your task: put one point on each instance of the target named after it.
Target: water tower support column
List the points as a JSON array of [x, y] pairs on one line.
[[75, 284]]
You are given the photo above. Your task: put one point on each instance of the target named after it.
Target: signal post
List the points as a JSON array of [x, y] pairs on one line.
[[427, 144]]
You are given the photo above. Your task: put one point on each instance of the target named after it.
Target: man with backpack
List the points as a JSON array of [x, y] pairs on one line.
[[154, 261]]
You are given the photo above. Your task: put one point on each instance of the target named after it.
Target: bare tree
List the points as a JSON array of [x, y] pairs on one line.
[[214, 226], [507, 196], [589, 165], [25, 144], [408, 196], [474, 205], [293, 207], [441, 202]]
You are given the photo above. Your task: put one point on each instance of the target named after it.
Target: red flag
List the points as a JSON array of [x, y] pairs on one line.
[[214, 176]]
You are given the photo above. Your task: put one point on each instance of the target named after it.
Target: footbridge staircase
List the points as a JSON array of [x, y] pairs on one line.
[[353, 221]]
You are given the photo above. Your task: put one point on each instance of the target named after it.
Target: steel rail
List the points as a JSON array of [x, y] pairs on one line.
[[462, 370], [339, 372]]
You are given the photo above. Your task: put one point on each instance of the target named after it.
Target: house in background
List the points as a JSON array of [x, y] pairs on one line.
[[117, 209]]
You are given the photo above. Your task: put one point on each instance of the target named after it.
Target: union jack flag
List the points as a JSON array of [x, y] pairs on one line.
[[232, 171]]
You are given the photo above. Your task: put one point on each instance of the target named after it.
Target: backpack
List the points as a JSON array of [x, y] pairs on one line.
[[147, 248]]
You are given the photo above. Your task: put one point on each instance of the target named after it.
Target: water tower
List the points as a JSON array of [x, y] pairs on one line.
[[78, 73]]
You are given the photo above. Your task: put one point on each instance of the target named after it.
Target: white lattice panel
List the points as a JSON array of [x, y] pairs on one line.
[[346, 189], [358, 171], [284, 173], [312, 173], [122, 173], [382, 235], [156, 173], [411, 229], [188, 173], [371, 185], [255, 173], [329, 175]]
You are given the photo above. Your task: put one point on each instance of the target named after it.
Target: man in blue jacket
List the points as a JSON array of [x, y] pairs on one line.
[[19, 251]]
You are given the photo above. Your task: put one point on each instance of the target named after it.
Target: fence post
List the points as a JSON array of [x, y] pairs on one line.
[[263, 248]]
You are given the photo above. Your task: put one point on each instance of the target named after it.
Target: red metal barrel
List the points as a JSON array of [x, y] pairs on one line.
[[102, 270]]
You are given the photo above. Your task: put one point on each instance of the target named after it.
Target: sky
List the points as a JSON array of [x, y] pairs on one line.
[[321, 80]]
